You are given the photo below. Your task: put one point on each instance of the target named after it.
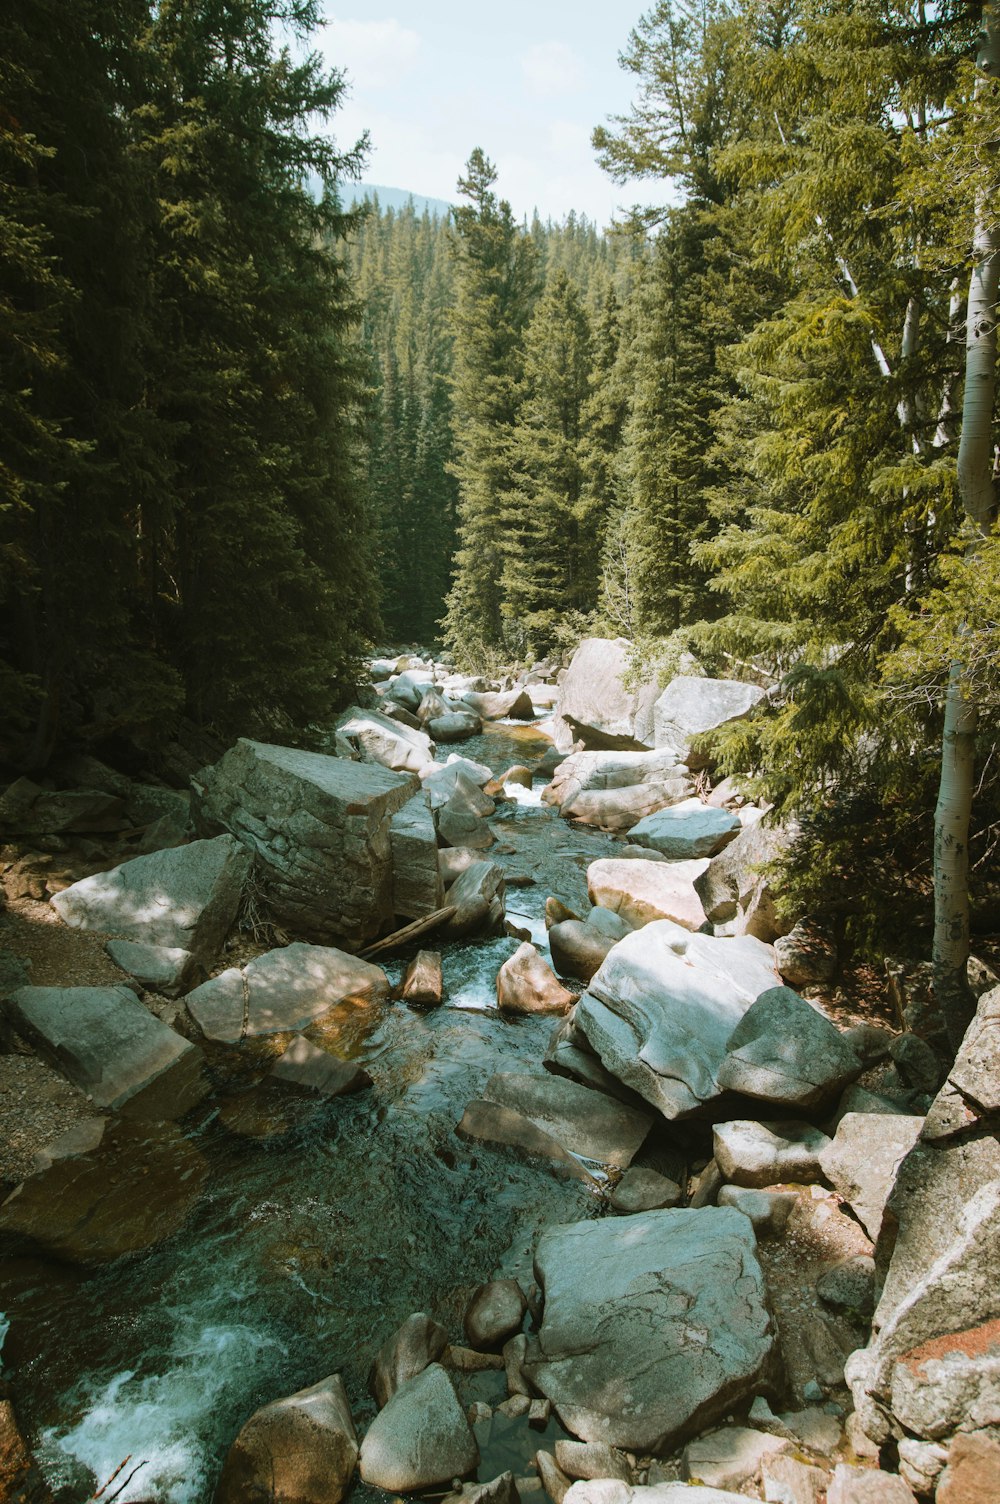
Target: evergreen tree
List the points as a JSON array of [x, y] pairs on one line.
[[550, 543], [496, 284], [262, 553]]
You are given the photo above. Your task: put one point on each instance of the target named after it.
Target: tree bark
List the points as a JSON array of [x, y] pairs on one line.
[[977, 488]]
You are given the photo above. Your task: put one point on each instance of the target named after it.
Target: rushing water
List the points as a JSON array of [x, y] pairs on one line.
[[309, 1249]]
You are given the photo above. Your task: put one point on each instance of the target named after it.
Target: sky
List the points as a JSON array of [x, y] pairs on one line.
[[526, 80]]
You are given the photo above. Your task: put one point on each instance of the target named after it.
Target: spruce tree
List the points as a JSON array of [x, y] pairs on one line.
[[495, 267]]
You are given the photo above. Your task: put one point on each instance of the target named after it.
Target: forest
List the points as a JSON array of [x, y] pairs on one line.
[[246, 434]]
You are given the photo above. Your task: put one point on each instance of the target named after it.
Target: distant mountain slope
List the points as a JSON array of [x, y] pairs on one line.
[[393, 198]]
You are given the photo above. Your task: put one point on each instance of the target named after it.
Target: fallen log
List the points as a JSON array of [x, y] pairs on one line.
[[410, 932]]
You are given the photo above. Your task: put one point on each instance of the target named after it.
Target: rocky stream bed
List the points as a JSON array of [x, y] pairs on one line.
[[701, 1230]]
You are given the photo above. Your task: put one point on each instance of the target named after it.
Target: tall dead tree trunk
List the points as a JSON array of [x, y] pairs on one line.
[[977, 487]]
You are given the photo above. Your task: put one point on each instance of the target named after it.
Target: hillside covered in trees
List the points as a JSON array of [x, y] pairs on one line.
[[245, 432]]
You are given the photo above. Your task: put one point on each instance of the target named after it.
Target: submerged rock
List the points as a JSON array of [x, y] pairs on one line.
[[131, 1189], [584, 1121], [298, 1450], [653, 1325]]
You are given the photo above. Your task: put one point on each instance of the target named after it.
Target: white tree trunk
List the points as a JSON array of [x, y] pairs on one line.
[[978, 491]]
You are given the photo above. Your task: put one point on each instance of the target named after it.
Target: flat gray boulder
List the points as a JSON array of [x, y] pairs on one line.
[[594, 705], [759, 1154], [689, 706], [320, 830], [455, 726], [585, 1121], [161, 968], [298, 1450], [282, 992], [642, 1342], [421, 1438], [662, 1008], [104, 1041], [686, 830], [784, 1051], [185, 898]]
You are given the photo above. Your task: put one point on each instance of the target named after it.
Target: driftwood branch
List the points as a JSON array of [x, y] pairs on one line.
[[410, 932]]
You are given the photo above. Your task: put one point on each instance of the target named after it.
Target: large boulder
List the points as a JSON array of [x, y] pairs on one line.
[[689, 706], [735, 887], [784, 1051], [503, 705], [104, 1041], [586, 1122], [578, 949], [862, 1161], [411, 1348], [456, 726], [642, 1343], [749, 1153], [930, 1368], [280, 993], [417, 885], [595, 707], [615, 789], [662, 1008], [373, 737], [686, 830], [185, 898], [642, 892], [297, 1450], [421, 1438], [526, 984], [320, 829], [26, 809]]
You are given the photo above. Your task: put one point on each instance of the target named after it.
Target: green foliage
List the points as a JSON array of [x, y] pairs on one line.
[[182, 519]]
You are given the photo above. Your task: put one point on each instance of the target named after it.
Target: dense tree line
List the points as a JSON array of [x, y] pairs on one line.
[[765, 434], [183, 526]]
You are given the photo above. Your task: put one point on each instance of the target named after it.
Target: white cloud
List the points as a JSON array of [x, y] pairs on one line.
[[551, 68], [375, 54]]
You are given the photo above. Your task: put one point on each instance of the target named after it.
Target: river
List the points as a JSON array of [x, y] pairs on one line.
[[309, 1249]]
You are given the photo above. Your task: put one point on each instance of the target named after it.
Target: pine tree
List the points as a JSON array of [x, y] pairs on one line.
[[495, 273], [549, 543], [262, 554]]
